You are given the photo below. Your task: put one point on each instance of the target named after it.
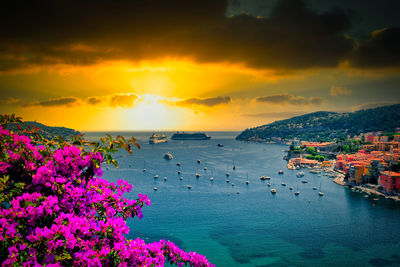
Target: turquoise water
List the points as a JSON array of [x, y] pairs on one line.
[[254, 228]]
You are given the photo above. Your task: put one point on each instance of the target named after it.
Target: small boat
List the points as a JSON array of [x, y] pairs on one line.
[[178, 164], [269, 184], [297, 191], [280, 172], [227, 174], [314, 188], [197, 175], [304, 181], [320, 193], [263, 178], [273, 191], [155, 188], [211, 178], [156, 176], [291, 188], [165, 178], [300, 174], [181, 178], [157, 138], [179, 172], [220, 145], [247, 182], [283, 184], [205, 168], [168, 156], [233, 184], [227, 181], [198, 161], [238, 192], [189, 186]]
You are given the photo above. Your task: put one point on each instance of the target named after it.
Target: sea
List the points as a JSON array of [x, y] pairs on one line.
[[237, 224]]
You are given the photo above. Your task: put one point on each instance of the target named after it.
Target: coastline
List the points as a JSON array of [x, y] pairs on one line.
[[368, 189]]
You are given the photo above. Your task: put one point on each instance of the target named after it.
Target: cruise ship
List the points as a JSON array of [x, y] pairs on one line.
[[157, 138], [190, 136]]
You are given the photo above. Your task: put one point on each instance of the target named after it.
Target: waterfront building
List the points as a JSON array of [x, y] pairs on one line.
[[390, 181]]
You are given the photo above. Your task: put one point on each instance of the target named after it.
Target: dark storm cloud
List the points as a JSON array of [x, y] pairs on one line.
[[45, 33], [62, 101], [209, 102], [382, 49], [291, 99]]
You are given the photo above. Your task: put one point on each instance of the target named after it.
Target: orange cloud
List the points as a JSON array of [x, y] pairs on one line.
[[291, 99], [339, 90], [54, 102]]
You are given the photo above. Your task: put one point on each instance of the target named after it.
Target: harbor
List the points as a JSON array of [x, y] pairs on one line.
[[233, 224]]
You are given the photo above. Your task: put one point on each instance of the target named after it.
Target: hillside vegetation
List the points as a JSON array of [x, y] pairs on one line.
[[47, 132], [324, 125]]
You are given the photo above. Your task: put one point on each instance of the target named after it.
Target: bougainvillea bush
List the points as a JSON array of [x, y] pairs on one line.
[[57, 211]]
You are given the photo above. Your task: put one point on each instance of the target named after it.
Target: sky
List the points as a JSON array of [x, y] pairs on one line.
[[158, 65]]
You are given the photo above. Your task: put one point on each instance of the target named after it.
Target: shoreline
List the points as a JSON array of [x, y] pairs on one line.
[[367, 189]]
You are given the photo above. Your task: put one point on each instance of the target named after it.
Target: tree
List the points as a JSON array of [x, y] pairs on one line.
[[56, 210], [311, 150]]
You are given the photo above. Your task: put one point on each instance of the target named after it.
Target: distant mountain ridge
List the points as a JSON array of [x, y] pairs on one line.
[[48, 132], [324, 125]]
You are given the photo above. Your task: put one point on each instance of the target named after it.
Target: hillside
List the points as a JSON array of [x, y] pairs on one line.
[[323, 125], [48, 131]]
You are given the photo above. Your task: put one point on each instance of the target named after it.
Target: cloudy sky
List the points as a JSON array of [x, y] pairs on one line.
[[195, 65]]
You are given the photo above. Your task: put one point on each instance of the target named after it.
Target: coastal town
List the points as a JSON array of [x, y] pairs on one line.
[[367, 163]]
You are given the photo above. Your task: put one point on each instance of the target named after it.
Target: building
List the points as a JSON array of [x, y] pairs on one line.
[[390, 181]]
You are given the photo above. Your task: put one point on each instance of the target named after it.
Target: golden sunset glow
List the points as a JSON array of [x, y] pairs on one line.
[[218, 66]]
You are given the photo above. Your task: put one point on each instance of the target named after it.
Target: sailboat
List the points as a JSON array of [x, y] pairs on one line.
[[144, 166], [297, 191], [247, 178], [212, 176], [234, 167], [320, 193]]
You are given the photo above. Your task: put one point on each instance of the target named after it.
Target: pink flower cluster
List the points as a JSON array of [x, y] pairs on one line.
[[55, 210]]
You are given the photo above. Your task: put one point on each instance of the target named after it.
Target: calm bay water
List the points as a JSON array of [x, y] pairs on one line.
[[253, 228]]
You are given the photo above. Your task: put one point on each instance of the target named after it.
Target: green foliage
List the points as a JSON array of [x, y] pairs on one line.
[[311, 150], [327, 126], [47, 132]]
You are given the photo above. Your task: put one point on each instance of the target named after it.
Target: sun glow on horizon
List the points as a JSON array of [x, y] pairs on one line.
[[150, 114]]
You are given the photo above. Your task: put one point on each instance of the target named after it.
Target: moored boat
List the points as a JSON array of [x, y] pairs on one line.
[[157, 138], [168, 156]]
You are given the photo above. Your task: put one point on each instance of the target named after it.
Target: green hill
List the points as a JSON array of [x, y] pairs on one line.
[[324, 125], [47, 131]]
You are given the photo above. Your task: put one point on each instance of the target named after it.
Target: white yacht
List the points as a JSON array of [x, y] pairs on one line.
[[157, 138]]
